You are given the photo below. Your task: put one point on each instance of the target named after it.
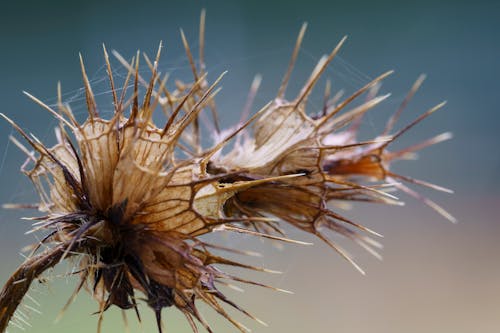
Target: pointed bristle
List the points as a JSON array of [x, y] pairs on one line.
[[154, 76], [259, 234], [440, 210], [190, 93], [349, 99], [189, 55], [89, 95], [286, 78], [416, 121], [342, 253], [135, 107], [317, 72], [394, 118], [201, 54], [110, 77]]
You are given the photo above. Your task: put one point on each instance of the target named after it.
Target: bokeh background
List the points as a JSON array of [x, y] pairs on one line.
[[435, 276]]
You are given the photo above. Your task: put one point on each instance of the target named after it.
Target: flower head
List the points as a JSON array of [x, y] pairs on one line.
[[128, 198]]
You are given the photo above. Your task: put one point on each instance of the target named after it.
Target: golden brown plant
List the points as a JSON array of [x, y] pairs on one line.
[[127, 199]]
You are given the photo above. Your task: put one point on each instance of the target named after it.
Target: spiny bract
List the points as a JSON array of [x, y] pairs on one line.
[[126, 199]]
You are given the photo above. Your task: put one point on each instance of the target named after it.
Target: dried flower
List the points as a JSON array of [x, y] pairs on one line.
[[128, 199]]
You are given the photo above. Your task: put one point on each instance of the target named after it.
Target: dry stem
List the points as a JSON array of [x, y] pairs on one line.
[[19, 283]]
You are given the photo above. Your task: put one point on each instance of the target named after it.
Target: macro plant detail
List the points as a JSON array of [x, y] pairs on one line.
[[127, 199]]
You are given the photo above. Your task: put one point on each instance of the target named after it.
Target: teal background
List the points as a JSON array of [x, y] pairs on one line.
[[435, 277]]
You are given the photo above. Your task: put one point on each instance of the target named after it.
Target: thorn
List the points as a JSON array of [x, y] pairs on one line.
[[286, 78]]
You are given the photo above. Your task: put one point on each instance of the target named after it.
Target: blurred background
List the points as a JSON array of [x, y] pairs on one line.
[[435, 276]]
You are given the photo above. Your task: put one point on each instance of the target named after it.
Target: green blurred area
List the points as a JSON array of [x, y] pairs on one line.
[[436, 277]]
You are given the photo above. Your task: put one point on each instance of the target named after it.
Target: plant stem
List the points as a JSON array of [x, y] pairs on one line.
[[19, 283]]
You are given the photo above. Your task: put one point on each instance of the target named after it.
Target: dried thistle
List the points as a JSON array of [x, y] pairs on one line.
[[127, 200]]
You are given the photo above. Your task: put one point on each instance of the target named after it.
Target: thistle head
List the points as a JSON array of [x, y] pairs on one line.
[[128, 198]]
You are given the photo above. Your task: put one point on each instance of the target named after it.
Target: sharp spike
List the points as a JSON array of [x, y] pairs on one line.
[[201, 55], [110, 77], [421, 183], [317, 72], [130, 66], [334, 100], [89, 95], [286, 78], [352, 97], [419, 146], [254, 87], [372, 93], [236, 251], [326, 97], [239, 186], [172, 117], [23, 148], [196, 109], [416, 121], [135, 105], [158, 319], [48, 108], [156, 101], [210, 300], [64, 108], [259, 234], [124, 89], [351, 145], [235, 278], [32, 143], [394, 118], [191, 322], [340, 251], [347, 117], [152, 81], [189, 55], [357, 225], [440, 210]]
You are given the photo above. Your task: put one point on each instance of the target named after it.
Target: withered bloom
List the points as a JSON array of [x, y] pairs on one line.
[[127, 199]]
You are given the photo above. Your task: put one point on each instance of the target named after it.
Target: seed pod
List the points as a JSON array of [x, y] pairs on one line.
[[127, 199]]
